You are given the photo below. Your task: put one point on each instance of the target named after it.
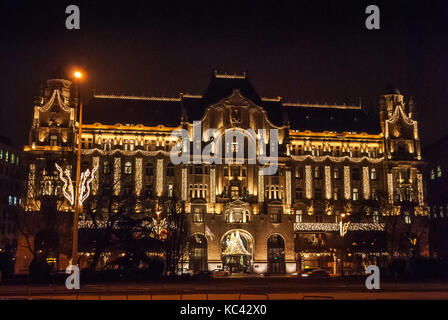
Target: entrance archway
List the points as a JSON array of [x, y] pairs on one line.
[[198, 253], [276, 254], [237, 248]]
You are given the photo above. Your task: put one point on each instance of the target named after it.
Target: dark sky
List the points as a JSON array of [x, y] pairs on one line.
[[315, 51]]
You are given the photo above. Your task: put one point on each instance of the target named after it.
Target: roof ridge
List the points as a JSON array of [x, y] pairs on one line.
[[325, 106]]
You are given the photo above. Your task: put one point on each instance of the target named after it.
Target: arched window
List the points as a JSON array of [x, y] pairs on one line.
[[128, 167]]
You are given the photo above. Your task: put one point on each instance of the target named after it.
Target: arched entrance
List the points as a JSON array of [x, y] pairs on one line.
[[276, 254], [237, 251], [198, 253]]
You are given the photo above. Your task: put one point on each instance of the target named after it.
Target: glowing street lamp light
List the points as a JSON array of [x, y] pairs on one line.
[[77, 74]]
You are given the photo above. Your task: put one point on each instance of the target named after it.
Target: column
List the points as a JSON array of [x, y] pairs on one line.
[[308, 182], [117, 176], [184, 183], [159, 181], [212, 185], [366, 182], [260, 186], [328, 190], [95, 181], [288, 187], [347, 188], [138, 176]]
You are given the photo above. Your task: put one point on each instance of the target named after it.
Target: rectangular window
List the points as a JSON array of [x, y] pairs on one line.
[[336, 174], [299, 215], [299, 194], [355, 174], [276, 217], [317, 193], [355, 194], [373, 174], [53, 140], [198, 215], [235, 171], [375, 217], [336, 193], [106, 167]]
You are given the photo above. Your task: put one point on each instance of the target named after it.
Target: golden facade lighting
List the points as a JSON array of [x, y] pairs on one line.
[[95, 182], [288, 187], [184, 183], [328, 189], [159, 182], [138, 176], [347, 187], [390, 187], [212, 185], [366, 182], [308, 182], [31, 180], [420, 189], [117, 176], [260, 186]]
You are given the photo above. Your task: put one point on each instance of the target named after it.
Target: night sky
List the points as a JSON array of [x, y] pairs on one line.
[[315, 51]]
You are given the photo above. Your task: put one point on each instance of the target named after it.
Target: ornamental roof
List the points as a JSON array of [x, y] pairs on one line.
[[153, 111]]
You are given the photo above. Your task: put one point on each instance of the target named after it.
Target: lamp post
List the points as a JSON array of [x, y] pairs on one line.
[[78, 76]]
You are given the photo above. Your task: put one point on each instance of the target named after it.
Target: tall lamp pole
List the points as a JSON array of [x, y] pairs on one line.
[[78, 76]]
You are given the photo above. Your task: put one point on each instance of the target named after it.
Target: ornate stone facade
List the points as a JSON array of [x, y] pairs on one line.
[[334, 162]]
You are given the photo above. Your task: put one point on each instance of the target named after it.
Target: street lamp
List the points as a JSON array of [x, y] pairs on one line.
[[78, 76]]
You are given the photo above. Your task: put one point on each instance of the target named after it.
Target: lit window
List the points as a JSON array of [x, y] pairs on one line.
[[106, 168], [433, 176], [336, 193], [128, 168], [10, 200], [336, 174], [53, 140], [439, 171], [1, 154], [407, 218], [373, 174], [6, 156], [355, 194], [375, 217], [299, 215], [12, 158]]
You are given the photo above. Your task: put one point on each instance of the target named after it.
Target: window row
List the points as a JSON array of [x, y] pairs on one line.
[[337, 173], [336, 151], [9, 157]]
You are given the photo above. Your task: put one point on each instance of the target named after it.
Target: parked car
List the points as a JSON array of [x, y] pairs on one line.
[[203, 275], [221, 273], [315, 274], [306, 271]]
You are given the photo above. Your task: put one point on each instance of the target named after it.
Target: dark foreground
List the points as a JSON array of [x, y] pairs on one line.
[[234, 288]]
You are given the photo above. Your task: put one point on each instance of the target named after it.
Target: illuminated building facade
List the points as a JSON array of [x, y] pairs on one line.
[[436, 156], [10, 192], [334, 162]]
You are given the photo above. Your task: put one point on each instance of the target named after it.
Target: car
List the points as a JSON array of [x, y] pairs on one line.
[[306, 271], [203, 275], [221, 273], [317, 273]]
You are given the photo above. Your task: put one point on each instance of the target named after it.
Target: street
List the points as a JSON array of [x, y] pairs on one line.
[[272, 288]]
